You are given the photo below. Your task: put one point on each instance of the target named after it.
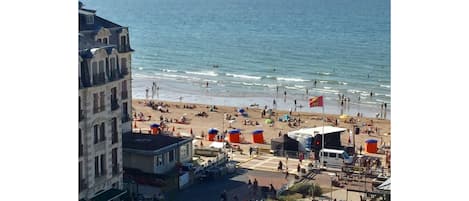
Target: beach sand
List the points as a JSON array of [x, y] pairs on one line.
[[215, 120]]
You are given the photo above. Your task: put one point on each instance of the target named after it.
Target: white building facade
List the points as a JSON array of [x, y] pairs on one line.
[[104, 105]]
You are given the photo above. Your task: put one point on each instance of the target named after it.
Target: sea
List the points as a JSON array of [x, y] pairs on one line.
[[251, 52]]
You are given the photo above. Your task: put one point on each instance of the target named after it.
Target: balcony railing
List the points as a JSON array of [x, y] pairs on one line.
[[114, 104], [125, 118], [80, 150], [125, 95], [99, 79], [125, 70], [82, 185], [114, 75]]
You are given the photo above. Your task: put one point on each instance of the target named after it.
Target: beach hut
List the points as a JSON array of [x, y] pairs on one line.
[[371, 146], [154, 128], [258, 136], [234, 135], [212, 133]]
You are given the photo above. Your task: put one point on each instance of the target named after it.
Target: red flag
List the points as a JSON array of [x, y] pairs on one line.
[[316, 102]]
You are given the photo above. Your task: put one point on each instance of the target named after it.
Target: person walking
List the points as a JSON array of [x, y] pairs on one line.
[[280, 166], [298, 168], [286, 172]]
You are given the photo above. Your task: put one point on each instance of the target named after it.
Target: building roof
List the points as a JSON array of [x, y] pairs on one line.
[[319, 130], [85, 43], [146, 142], [98, 22]]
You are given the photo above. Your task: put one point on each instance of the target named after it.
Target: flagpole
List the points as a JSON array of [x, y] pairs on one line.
[[322, 137]]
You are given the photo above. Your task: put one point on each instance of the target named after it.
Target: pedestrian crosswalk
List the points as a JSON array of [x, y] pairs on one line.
[[269, 163]]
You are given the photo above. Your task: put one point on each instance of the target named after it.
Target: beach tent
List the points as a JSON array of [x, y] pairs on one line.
[[258, 136], [234, 135], [154, 128], [212, 133], [371, 146], [284, 143], [241, 110]]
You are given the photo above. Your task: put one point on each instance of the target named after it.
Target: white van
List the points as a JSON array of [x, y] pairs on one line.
[[335, 158]]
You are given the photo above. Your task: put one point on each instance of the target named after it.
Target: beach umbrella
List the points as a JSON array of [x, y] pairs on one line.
[[154, 125], [268, 121], [234, 131], [241, 110]]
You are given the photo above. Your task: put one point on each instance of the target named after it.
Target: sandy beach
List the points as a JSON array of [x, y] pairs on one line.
[[201, 125]]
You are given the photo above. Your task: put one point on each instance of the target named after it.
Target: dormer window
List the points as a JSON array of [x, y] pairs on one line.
[[105, 40], [89, 19], [99, 40]]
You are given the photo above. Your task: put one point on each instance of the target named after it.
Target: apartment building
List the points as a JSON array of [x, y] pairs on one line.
[[104, 67]]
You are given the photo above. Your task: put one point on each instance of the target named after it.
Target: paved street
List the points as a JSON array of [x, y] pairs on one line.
[[234, 185]]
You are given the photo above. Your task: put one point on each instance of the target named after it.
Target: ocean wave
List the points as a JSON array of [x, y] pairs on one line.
[[140, 68], [291, 79], [169, 70], [328, 91], [323, 73], [323, 81], [343, 83], [385, 86], [243, 76], [208, 73]]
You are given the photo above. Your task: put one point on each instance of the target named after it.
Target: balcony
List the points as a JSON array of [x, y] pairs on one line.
[[114, 104], [125, 71], [115, 75], [99, 79], [125, 118], [125, 95], [82, 185], [80, 150]]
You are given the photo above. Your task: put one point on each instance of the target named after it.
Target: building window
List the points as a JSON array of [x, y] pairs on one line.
[[99, 40], [102, 97], [124, 90], [102, 135], [89, 19], [124, 64], [114, 130], [96, 134], [115, 166], [96, 166], [105, 40], [159, 160], [171, 156], [183, 151], [103, 164], [95, 103]]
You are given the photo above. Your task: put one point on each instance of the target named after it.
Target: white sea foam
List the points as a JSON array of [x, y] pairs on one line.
[[243, 76], [169, 70], [291, 79], [208, 73], [323, 73], [385, 86]]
